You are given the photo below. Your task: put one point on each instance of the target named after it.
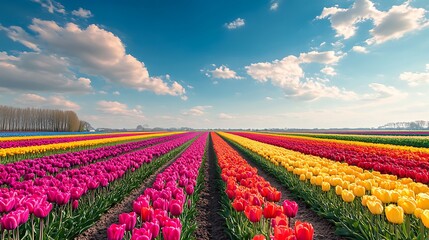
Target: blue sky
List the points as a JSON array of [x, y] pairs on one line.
[[219, 64]]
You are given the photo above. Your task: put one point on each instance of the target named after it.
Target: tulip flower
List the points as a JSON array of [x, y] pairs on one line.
[[175, 207], [129, 219], [138, 204], [189, 189], [408, 204], [375, 207], [259, 237], [424, 216], [422, 201], [239, 204], [269, 210], [304, 231], [418, 212], [171, 233], [359, 191], [6, 204], [394, 214], [147, 214], [338, 190], [347, 195], [75, 204], [23, 214], [116, 232], [42, 210], [326, 186], [141, 234], [10, 221], [280, 220], [283, 232], [153, 227], [253, 213], [290, 208]]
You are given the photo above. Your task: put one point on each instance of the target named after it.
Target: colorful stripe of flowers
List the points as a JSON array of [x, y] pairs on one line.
[[384, 205], [158, 210], [64, 191], [70, 145], [255, 197], [12, 173], [404, 164]]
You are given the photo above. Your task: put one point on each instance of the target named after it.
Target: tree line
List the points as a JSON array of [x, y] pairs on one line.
[[35, 119]]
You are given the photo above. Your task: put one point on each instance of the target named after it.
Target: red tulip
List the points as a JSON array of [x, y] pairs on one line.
[[171, 233], [304, 230], [253, 213], [259, 237], [116, 232], [75, 204], [147, 214], [239, 204], [129, 219], [270, 210], [42, 210], [280, 221], [175, 207], [283, 233], [290, 208], [10, 221]]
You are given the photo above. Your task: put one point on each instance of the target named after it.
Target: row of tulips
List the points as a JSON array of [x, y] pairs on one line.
[[5, 135], [45, 141], [17, 153], [365, 205], [56, 196], [252, 197], [413, 141], [158, 212], [12, 173], [400, 162]]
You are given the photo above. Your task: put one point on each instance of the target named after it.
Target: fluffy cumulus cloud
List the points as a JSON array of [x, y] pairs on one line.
[[51, 5], [197, 111], [54, 102], [288, 74], [83, 13], [330, 71], [225, 116], [416, 78], [239, 22], [274, 5], [94, 51], [39, 72], [222, 72], [359, 49], [119, 109], [381, 91], [391, 24]]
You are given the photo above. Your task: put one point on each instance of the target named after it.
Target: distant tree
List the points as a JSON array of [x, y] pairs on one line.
[[139, 128]]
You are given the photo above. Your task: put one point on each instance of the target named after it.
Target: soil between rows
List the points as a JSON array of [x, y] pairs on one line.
[[99, 229], [211, 225], [323, 229]]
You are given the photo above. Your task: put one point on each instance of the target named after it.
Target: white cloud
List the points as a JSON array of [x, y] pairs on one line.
[[222, 72], [119, 109], [359, 49], [38, 72], [328, 71], [83, 13], [416, 78], [382, 91], [52, 102], [17, 34], [274, 5], [391, 24], [289, 76], [97, 52], [328, 57], [225, 116], [239, 22], [269, 98], [117, 93], [102, 92], [197, 111], [51, 5]]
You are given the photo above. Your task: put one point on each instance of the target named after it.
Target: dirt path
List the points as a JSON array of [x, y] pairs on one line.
[[323, 229], [99, 229], [211, 225]]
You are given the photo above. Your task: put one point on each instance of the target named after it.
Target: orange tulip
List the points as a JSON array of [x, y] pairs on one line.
[[253, 213]]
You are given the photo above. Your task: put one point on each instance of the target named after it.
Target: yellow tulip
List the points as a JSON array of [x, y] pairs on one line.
[[326, 186], [375, 207], [425, 218], [408, 204], [302, 177], [338, 190], [395, 214], [347, 196], [319, 180], [359, 191], [394, 196], [418, 212], [423, 201]]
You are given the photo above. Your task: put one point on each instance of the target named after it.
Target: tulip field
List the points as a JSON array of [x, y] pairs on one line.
[[254, 185]]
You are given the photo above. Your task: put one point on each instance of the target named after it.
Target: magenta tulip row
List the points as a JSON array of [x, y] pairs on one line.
[[37, 197], [158, 209], [44, 141], [12, 173]]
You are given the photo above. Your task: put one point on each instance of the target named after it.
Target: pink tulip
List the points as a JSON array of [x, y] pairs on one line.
[[189, 189], [43, 210], [75, 204], [6, 204], [62, 198], [141, 234], [10, 221], [116, 232], [129, 219], [153, 227], [160, 203], [171, 233], [176, 207], [290, 208]]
